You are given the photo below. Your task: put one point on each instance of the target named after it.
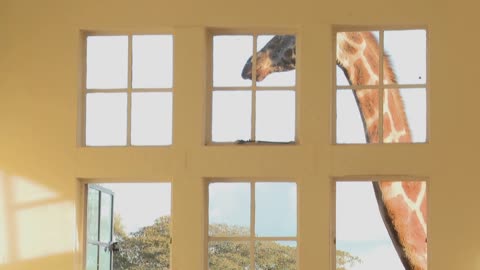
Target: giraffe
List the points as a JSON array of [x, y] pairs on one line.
[[402, 205]]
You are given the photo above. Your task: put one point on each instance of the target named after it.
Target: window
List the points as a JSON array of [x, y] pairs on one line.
[[381, 223], [253, 89], [133, 232], [128, 90], [252, 225], [99, 228], [401, 86]]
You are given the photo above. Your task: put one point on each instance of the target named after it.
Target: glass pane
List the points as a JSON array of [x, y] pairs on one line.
[[281, 255], [229, 209], [231, 116], [106, 218], [280, 54], [275, 209], [104, 259], [152, 118], [152, 63], [362, 239], [352, 107], [230, 55], [357, 53], [107, 62], [407, 50], [92, 214], [228, 255], [106, 122], [92, 257], [414, 103], [275, 116]]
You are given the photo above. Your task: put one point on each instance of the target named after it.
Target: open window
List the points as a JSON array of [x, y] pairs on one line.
[[133, 233], [99, 228]]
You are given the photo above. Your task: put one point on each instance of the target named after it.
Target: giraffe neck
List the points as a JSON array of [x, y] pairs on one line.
[[402, 205], [358, 56]]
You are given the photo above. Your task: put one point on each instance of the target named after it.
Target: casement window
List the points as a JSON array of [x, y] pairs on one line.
[[127, 90], [99, 228], [133, 233], [252, 87], [381, 65], [252, 225], [380, 223]]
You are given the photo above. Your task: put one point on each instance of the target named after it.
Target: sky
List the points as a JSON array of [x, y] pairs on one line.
[[360, 229]]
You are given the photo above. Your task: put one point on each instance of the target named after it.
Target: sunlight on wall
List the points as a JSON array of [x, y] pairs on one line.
[[26, 191], [3, 220], [33, 220], [45, 226]]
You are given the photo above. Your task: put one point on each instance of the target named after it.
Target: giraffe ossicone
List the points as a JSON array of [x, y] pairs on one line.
[[402, 204]]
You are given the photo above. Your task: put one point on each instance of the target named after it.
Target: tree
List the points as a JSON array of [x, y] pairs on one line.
[[346, 260], [149, 248]]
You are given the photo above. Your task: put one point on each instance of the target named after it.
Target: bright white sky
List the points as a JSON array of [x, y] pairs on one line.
[[360, 229]]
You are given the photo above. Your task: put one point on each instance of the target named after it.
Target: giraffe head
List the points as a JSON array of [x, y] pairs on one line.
[[276, 56]]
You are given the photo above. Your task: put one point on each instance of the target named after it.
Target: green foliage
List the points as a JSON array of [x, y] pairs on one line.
[[346, 260], [149, 248]]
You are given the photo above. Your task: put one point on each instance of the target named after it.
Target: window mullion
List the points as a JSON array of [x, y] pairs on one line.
[[252, 225], [381, 89], [254, 89], [129, 91]]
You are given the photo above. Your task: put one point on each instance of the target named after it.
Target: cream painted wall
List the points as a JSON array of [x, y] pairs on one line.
[[40, 164]]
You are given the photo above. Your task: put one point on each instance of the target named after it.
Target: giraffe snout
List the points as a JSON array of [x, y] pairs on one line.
[[247, 70]]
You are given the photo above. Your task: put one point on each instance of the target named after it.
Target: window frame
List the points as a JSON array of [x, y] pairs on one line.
[[380, 87], [253, 88], [251, 239], [84, 91]]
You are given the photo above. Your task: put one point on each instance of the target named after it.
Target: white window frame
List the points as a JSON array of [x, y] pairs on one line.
[[251, 239], [129, 90], [254, 87], [381, 86]]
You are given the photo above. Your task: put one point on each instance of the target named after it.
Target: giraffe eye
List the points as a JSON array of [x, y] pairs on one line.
[[289, 53]]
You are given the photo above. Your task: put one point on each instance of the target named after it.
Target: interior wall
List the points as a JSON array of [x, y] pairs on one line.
[[41, 164]]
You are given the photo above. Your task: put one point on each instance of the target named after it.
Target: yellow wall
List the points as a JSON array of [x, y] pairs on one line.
[[40, 163]]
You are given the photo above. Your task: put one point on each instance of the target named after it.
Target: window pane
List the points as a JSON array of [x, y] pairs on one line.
[[152, 118], [152, 65], [281, 52], [350, 123], [407, 50], [275, 116], [229, 209], [415, 106], [281, 255], [230, 54], [106, 218], [357, 59], [228, 255], [361, 233], [231, 116], [107, 62], [106, 122], [275, 209], [93, 209], [104, 259], [92, 257]]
